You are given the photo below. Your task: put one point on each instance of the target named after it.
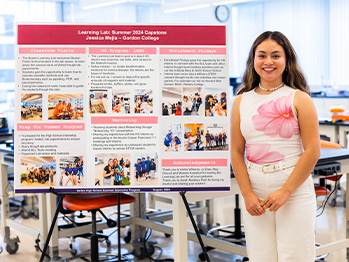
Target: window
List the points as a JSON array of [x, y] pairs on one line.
[[12, 12], [7, 75], [7, 52], [6, 25]]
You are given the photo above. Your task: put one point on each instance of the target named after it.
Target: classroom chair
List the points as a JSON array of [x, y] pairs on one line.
[[92, 203]]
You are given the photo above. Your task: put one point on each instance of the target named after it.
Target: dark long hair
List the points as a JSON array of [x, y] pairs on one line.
[[292, 76]]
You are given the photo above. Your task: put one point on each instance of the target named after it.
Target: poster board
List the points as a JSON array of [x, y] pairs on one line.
[[121, 108]]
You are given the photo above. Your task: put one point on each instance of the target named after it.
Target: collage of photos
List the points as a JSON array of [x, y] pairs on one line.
[[65, 107], [112, 170], [189, 101], [31, 107], [71, 171], [193, 137], [121, 102], [146, 169], [143, 101], [197, 137], [98, 101], [215, 102], [38, 171], [172, 135]]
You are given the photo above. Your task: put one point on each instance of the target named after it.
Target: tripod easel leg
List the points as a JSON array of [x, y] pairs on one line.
[[54, 220], [190, 214]]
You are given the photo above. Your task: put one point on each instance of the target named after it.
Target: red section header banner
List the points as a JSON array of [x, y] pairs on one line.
[[120, 35]]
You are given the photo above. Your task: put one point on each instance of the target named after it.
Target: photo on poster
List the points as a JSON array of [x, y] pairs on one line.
[[215, 102], [146, 169], [98, 101], [112, 170], [71, 171], [65, 107], [143, 101], [192, 102], [216, 137], [172, 101], [38, 171], [121, 101], [31, 107], [172, 137], [193, 137]]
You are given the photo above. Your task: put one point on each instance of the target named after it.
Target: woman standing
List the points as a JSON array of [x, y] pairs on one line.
[[108, 173], [69, 173], [274, 118]]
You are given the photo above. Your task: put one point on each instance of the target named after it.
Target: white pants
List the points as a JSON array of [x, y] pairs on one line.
[[106, 181], [287, 235]]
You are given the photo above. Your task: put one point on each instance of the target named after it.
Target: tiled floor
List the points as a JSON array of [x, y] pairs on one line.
[[330, 227]]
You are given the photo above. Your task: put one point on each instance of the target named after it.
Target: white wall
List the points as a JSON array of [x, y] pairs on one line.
[[170, 97], [317, 29], [339, 40]]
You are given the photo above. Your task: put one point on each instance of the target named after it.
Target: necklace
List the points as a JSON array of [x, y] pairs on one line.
[[271, 89]]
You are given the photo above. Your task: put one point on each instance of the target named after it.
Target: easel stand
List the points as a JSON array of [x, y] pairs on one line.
[[190, 214], [54, 220]]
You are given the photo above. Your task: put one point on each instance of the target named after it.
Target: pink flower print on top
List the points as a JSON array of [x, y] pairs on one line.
[[259, 153], [277, 118]]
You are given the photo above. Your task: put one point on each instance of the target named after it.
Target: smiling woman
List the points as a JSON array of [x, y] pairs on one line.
[[274, 123], [270, 63]]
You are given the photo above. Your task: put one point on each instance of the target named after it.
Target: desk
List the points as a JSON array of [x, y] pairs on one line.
[[6, 158], [336, 131], [181, 236]]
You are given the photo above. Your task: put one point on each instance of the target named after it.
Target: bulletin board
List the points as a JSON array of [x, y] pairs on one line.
[[121, 108]]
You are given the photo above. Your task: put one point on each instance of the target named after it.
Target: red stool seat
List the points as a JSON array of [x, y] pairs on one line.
[[334, 178], [95, 201], [321, 191]]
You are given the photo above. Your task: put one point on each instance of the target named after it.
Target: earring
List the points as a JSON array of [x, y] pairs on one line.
[[286, 69]]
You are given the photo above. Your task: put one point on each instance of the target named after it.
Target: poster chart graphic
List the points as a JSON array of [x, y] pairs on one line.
[[121, 108]]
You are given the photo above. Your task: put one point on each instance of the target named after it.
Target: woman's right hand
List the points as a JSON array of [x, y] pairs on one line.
[[253, 204]]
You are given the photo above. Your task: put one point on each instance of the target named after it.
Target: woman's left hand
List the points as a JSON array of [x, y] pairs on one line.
[[275, 200]]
